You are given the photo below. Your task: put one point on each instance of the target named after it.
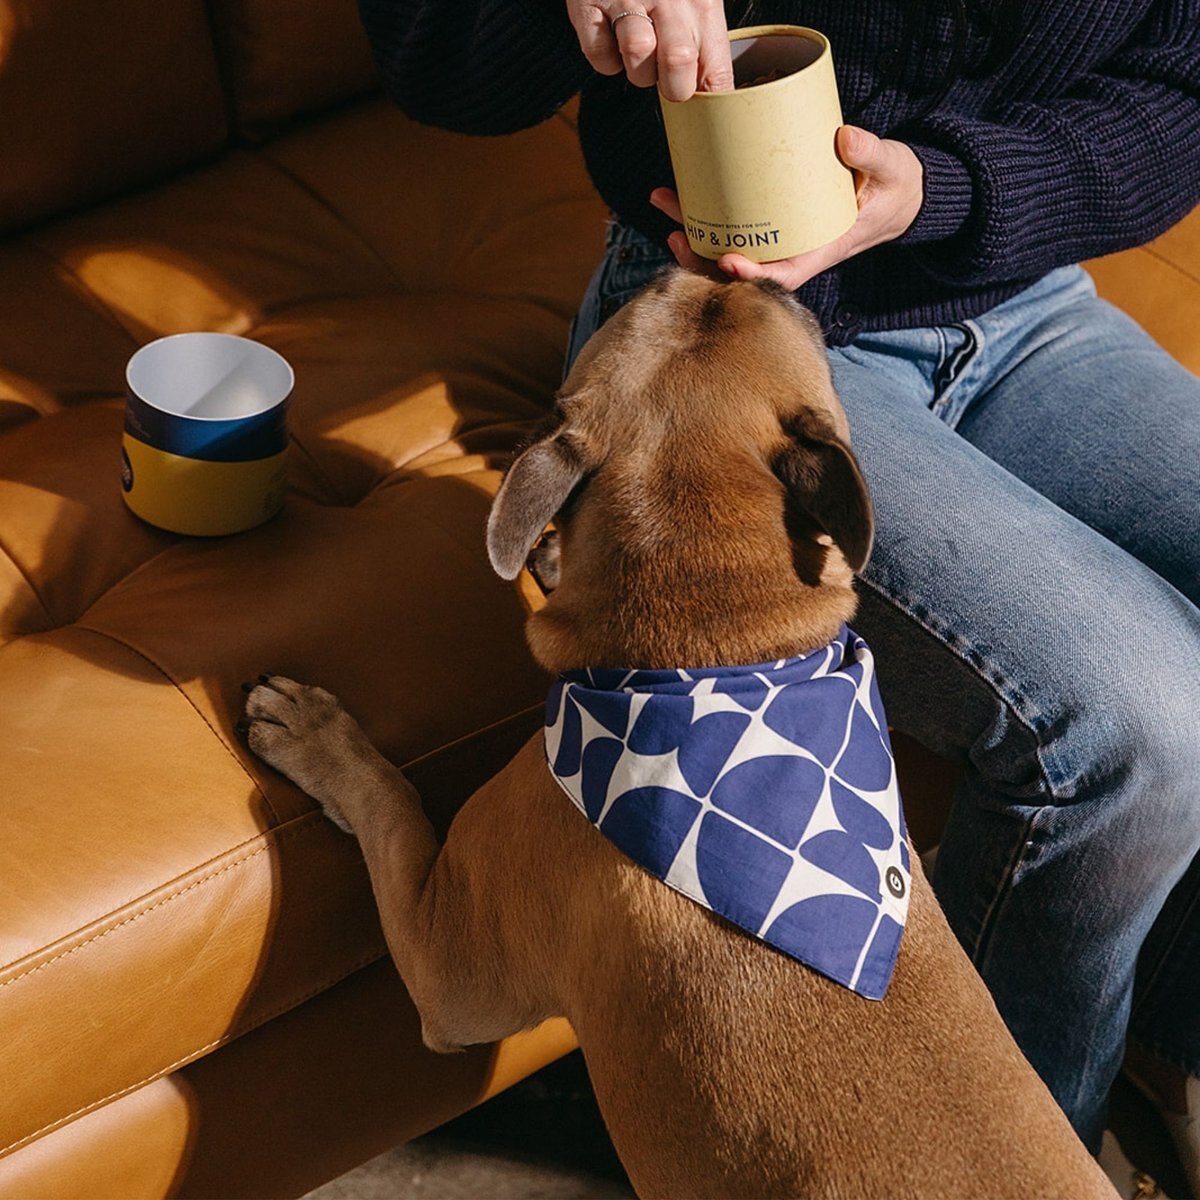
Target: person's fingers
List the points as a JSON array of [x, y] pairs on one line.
[[889, 182], [687, 258], [595, 36], [859, 149], [666, 200], [638, 39], [790, 273], [715, 72], [678, 57], [693, 48], [683, 45], [616, 37], [863, 153]]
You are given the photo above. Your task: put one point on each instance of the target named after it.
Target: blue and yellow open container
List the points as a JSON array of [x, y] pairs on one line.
[[205, 437]]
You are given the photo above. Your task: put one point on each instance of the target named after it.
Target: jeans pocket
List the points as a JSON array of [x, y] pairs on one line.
[[630, 262]]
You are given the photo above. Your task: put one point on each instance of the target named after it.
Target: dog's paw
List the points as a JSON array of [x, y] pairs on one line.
[[305, 734]]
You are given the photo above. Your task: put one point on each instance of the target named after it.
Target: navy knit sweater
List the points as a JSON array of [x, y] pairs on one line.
[[1080, 137]]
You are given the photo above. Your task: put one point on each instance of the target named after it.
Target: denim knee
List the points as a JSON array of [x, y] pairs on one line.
[[1126, 731], [1084, 702]]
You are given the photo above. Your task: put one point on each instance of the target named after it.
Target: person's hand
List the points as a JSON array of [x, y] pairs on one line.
[[682, 45], [890, 188]]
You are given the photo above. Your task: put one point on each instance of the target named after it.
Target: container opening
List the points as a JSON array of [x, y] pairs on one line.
[[763, 59]]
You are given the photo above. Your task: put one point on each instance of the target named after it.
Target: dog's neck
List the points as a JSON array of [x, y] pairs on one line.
[[660, 612], [668, 566]]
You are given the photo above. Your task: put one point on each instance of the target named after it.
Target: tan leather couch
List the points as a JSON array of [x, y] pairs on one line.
[[194, 996]]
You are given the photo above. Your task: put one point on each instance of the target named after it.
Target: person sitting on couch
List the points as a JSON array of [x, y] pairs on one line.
[[1033, 454]]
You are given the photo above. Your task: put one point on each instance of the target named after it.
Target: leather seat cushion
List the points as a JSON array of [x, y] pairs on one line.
[[169, 892]]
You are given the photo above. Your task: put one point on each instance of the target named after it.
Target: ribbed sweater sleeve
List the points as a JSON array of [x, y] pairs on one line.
[[1111, 163], [475, 66]]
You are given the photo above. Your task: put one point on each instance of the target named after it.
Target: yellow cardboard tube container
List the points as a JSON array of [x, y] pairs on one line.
[[205, 439], [755, 168]]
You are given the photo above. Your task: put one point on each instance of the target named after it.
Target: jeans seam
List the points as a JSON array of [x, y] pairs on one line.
[[999, 683], [1003, 891], [1005, 690], [1169, 963], [1014, 703]]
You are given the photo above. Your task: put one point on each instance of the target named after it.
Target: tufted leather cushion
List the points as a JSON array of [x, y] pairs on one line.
[[283, 59], [161, 891], [97, 98]]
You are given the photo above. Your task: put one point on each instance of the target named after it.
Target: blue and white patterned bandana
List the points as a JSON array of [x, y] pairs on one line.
[[765, 793]]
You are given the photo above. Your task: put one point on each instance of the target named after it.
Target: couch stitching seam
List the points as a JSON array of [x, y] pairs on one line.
[[1158, 256], [263, 155], [520, 714], [277, 840], [312, 461], [232, 1035], [192, 704]]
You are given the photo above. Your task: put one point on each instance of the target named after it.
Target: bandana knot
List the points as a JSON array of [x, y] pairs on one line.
[[765, 793]]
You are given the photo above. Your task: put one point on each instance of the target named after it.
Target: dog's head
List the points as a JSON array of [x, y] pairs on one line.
[[699, 469]]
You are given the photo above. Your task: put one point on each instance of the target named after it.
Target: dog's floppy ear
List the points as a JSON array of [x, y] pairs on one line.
[[536, 487], [824, 484]]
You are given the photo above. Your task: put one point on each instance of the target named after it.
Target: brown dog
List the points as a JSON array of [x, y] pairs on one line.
[[710, 512]]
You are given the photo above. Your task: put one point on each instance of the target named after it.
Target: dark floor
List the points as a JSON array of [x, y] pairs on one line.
[[544, 1140], [1145, 1141]]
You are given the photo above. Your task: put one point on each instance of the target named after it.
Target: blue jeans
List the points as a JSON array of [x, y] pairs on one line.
[[1032, 604]]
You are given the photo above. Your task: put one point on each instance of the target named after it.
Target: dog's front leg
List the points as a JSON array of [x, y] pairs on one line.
[[424, 905]]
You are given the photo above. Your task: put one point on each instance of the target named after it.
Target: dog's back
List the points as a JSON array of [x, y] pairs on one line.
[[712, 512], [724, 1068]]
